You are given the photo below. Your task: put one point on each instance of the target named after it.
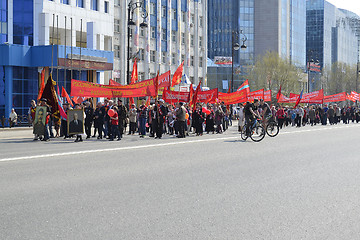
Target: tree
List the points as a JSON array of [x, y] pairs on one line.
[[339, 78], [271, 71]]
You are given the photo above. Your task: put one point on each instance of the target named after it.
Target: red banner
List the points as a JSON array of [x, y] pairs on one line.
[[355, 95], [267, 96], [233, 98], [315, 97], [284, 99], [88, 89], [209, 96], [175, 96], [335, 98], [350, 97], [259, 94]]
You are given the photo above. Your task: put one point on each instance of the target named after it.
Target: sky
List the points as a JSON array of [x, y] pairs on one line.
[[351, 5]]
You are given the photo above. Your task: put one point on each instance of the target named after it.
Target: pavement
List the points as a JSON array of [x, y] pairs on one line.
[[302, 184]]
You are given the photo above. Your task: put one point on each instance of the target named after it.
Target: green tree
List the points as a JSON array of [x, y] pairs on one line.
[[271, 71], [339, 78]]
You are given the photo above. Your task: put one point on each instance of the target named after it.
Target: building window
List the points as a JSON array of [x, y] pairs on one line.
[[80, 3], [94, 5], [65, 1], [131, 32], [141, 76], [163, 11], [117, 25], [192, 40], [142, 54], [192, 18], [153, 32], [152, 9], [200, 41], [201, 19], [152, 56], [164, 34], [152, 75], [173, 36], [174, 14], [192, 61], [200, 62], [173, 58], [182, 57], [106, 7], [183, 38], [117, 51], [192, 79], [163, 57], [142, 32], [117, 2], [183, 16]]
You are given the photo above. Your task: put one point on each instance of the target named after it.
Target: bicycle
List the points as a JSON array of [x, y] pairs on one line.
[[257, 132], [272, 128]]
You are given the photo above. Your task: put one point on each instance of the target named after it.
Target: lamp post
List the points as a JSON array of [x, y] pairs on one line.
[[235, 47], [310, 61], [132, 6]]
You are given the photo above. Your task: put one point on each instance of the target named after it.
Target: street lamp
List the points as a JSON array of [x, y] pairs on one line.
[[310, 61], [235, 47], [132, 6]]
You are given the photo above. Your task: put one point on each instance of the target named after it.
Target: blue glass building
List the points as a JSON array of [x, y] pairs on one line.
[[22, 59]]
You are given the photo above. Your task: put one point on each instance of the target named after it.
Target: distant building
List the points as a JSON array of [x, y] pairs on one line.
[[176, 31], [27, 30]]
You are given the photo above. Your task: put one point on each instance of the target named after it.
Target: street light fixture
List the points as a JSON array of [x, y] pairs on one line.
[[132, 6], [310, 61], [235, 47]]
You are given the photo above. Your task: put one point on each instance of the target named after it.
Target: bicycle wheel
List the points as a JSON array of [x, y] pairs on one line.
[[272, 129], [243, 134], [257, 133]]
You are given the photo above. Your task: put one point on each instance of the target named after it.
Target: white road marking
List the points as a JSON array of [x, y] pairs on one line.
[[155, 145]]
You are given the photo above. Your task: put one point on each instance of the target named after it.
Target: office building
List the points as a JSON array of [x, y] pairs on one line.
[[81, 50], [176, 31]]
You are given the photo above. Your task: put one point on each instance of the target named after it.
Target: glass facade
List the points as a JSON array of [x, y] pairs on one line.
[[224, 17], [3, 21], [2, 91], [298, 33], [23, 22], [25, 88]]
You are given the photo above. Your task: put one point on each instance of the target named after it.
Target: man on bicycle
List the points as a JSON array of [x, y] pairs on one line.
[[266, 112], [251, 113]]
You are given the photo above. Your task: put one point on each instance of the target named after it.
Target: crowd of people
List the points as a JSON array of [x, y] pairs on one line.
[[180, 119]]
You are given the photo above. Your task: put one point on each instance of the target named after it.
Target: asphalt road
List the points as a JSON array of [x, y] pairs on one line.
[[302, 184]]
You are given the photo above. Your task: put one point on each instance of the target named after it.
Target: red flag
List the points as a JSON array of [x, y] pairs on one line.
[[131, 101], [177, 75], [191, 94], [66, 95], [299, 99], [148, 101], [194, 100], [79, 100], [113, 83], [245, 86], [134, 74], [278, 94], [156, 85], [42, 84]]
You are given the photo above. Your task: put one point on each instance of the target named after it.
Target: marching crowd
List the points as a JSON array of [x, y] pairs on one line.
[[180, 119]]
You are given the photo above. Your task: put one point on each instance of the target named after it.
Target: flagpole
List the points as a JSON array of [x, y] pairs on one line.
[[57, 48], [65, 68], [80, 49], [71, 44], [52, 45]]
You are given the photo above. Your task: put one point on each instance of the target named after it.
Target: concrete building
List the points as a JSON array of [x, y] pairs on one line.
[[82, 48], [176, 31]]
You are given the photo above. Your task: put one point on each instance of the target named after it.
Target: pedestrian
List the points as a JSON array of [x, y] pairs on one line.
[[132, 119], [12, 118], [89, 113], [143, 113], [99, 116], [181, 117], [114, 121]]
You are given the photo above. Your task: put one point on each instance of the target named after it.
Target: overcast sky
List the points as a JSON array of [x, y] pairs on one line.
[[351, 5]]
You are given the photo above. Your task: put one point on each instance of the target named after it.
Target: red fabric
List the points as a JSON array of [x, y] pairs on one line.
[[195, 97], [42, 84], [134, 74], [335, 98], [114, 119], [177, 75], [66, 95], [278, 94], [280, 113]]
